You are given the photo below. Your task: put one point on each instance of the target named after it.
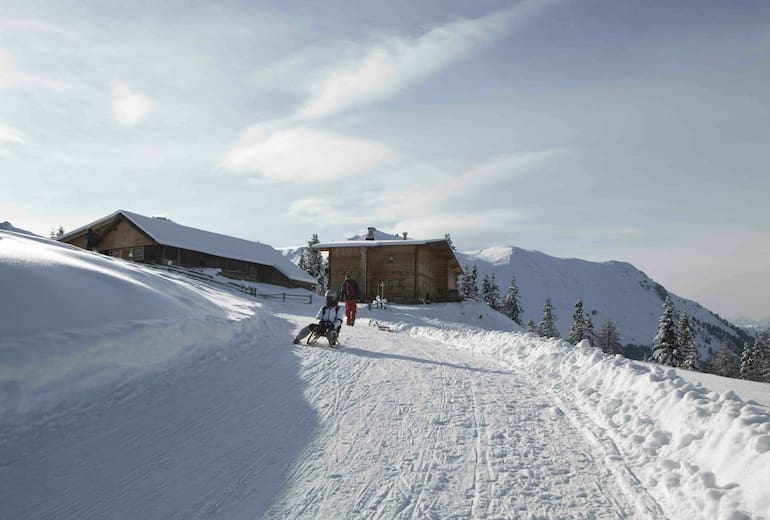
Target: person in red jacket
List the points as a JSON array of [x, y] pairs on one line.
[[350, 293]]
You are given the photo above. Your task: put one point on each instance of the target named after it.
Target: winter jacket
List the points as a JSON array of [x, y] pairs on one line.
[[349, 290], [332, 314]]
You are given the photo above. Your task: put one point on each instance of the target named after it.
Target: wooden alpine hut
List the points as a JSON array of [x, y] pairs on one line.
[[401, 270], [158, 240]]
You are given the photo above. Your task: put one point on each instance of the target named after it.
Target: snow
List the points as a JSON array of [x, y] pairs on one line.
[[132, 392]]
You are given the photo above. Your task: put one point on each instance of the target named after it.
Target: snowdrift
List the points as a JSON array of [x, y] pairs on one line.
[[72, 320]]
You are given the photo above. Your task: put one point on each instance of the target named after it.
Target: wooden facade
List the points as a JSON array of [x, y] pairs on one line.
[[401, 271], [119, 237]]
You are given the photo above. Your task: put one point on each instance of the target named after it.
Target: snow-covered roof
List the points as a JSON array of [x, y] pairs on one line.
[[169, 233], [391, 243]]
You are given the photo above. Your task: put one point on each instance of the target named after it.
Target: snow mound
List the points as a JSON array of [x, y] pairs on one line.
[[77, 320]]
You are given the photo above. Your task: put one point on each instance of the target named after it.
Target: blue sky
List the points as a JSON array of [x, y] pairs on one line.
[[634, 131]]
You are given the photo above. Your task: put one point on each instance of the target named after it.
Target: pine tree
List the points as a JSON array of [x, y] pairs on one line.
[[547, 327], [590, 334], [665, 345], [471, 290], [511, 305], [485, 284], [608, 339], [468, 285], [312, 262], [492, 296], [60, 232], [747, 367], [723, 363], [762, 357], [449, 241], [578, 328], [690, 355], [531, 327]]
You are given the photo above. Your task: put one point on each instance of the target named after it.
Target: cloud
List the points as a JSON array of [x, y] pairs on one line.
[[9, 135], [11, 76], [128, 107], [393, 64], [302, 154]]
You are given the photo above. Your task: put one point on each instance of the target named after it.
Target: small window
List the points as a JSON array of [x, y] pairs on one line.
[[137, 253], [115, 253]]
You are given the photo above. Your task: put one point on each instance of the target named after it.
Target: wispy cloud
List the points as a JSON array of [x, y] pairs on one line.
[[302, 154], [9, 135], [393, 64], [11, 76], [128, 107]]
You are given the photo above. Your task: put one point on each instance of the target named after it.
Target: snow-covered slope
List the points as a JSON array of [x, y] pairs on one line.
[[206, 410], [7, 226], [612, 290]]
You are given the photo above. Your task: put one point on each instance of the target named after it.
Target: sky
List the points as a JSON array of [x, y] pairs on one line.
[[632, 131]]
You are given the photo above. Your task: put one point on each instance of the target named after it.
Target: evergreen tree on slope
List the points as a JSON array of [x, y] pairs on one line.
[[723, 363], [608, 339], [531, 327], [747, 368], [511, 305], [690, 356], [547, 327], [469, 283], [493, 293], [590, 334], [577, 330], [312, 262], [665, 345]]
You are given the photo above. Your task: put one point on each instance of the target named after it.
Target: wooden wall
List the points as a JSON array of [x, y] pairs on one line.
[[408, 273], [395, 267]]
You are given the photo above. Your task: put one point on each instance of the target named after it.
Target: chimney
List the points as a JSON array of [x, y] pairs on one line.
[[370, 233], [404, 233]]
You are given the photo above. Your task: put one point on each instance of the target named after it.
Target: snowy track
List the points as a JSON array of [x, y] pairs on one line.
[[411, 429]]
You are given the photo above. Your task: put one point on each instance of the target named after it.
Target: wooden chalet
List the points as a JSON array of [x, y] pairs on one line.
[[400, 270], [158, 240]]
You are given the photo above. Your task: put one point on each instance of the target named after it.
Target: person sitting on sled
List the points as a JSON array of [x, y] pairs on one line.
[[330, 313]]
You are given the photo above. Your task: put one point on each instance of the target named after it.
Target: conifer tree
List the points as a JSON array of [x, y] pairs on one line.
[[490, 292], [590, 334], [469, 285], [723, 363], [608, 339], [665, 345], [578, 328], [474, 283], [449, 241], [511, 305], [312, 262], [747, 367], [762, 356], [547, 327], [60, 232], [531, 327], [690, 356]]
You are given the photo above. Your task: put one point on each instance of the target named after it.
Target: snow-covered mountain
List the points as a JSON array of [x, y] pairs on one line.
[[612, 290]]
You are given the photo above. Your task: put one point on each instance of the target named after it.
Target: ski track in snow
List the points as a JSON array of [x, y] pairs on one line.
[[445, 434]]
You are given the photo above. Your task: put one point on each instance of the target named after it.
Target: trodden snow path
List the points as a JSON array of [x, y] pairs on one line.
[[410, 428]]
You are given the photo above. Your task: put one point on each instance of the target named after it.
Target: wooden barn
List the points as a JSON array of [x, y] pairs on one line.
[[400, 270], [159, 240]]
